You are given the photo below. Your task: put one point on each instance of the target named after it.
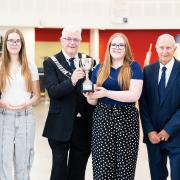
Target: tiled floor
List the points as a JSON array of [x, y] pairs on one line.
[[42, 162]]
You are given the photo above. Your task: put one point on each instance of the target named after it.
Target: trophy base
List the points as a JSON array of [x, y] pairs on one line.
[[87, 88]]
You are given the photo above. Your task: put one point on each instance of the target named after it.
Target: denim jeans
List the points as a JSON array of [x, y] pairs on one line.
[[17, 133]]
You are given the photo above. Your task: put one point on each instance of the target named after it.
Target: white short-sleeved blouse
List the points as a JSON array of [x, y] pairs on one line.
[[16, 92]]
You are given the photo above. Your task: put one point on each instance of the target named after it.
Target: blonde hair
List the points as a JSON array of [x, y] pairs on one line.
[[5, 62], [125, 72]]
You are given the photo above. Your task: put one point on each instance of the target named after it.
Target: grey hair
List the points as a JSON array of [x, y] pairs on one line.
[[166, 36], [70, 29]]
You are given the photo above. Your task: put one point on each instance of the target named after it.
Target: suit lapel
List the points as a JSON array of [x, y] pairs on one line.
[[155, 75], [171, 80], [62, 60]]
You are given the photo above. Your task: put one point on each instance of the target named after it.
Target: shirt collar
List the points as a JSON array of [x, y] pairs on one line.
[[169, 65], [67, 56]]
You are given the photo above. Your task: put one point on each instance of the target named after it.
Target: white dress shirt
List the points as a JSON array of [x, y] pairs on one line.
[[76, 60], [169, 67]]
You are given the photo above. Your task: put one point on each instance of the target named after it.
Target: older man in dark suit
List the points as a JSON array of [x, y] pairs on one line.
[[160, 111], [68, 124]]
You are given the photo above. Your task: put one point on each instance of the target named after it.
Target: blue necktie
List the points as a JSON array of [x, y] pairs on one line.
[[162, 84], [71, 61]]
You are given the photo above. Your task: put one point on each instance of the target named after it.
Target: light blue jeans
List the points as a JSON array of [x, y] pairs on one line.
[[17, 133]]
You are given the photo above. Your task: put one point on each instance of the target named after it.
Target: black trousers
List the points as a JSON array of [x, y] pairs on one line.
[[70, 158]]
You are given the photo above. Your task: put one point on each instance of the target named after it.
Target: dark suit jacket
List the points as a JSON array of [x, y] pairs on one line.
[[64, 101], [156, 116]]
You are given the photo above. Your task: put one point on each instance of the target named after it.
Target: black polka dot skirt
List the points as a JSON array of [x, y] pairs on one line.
[[115, 141]]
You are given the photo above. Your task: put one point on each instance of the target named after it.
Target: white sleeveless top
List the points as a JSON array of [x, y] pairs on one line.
[[16, 93]]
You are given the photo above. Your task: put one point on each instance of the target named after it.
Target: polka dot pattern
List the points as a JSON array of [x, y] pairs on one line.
[[115, 141]]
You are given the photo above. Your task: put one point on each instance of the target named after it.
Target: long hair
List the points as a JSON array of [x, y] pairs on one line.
[[5, 62], [125, 72]]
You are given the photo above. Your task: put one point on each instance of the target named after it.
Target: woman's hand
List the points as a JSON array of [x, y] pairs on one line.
[[8, 106], [88, 95], [20, 107], [11, 107], [100, 92], [90, 99]]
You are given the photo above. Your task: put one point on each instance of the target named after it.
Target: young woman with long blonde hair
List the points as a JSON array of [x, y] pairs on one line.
[[115, 131], [19, 87]]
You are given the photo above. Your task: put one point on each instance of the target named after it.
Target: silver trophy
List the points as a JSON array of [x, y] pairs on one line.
[[86, 64]]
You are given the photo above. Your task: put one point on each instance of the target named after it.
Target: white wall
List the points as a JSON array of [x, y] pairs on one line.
[[93, 14]]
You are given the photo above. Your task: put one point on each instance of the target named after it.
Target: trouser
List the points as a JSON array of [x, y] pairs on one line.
[[157, 154], [115, 141], [17, 132], [70, 158]]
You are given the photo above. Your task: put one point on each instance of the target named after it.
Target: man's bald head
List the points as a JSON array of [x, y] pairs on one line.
[[165, 47], [166, 37]]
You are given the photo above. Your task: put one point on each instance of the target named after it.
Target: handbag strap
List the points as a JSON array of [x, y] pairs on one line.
[[60, 67]]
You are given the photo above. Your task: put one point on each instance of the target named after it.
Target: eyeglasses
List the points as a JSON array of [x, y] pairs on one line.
[[118, 46], [13, 41], [69, 39]]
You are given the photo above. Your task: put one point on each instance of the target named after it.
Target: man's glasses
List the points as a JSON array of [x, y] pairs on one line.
[[69, 39], [13, 41], [118, 46]]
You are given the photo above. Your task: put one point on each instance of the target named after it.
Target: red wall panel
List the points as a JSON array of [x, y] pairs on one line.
[[48, 34], [139, 41]]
